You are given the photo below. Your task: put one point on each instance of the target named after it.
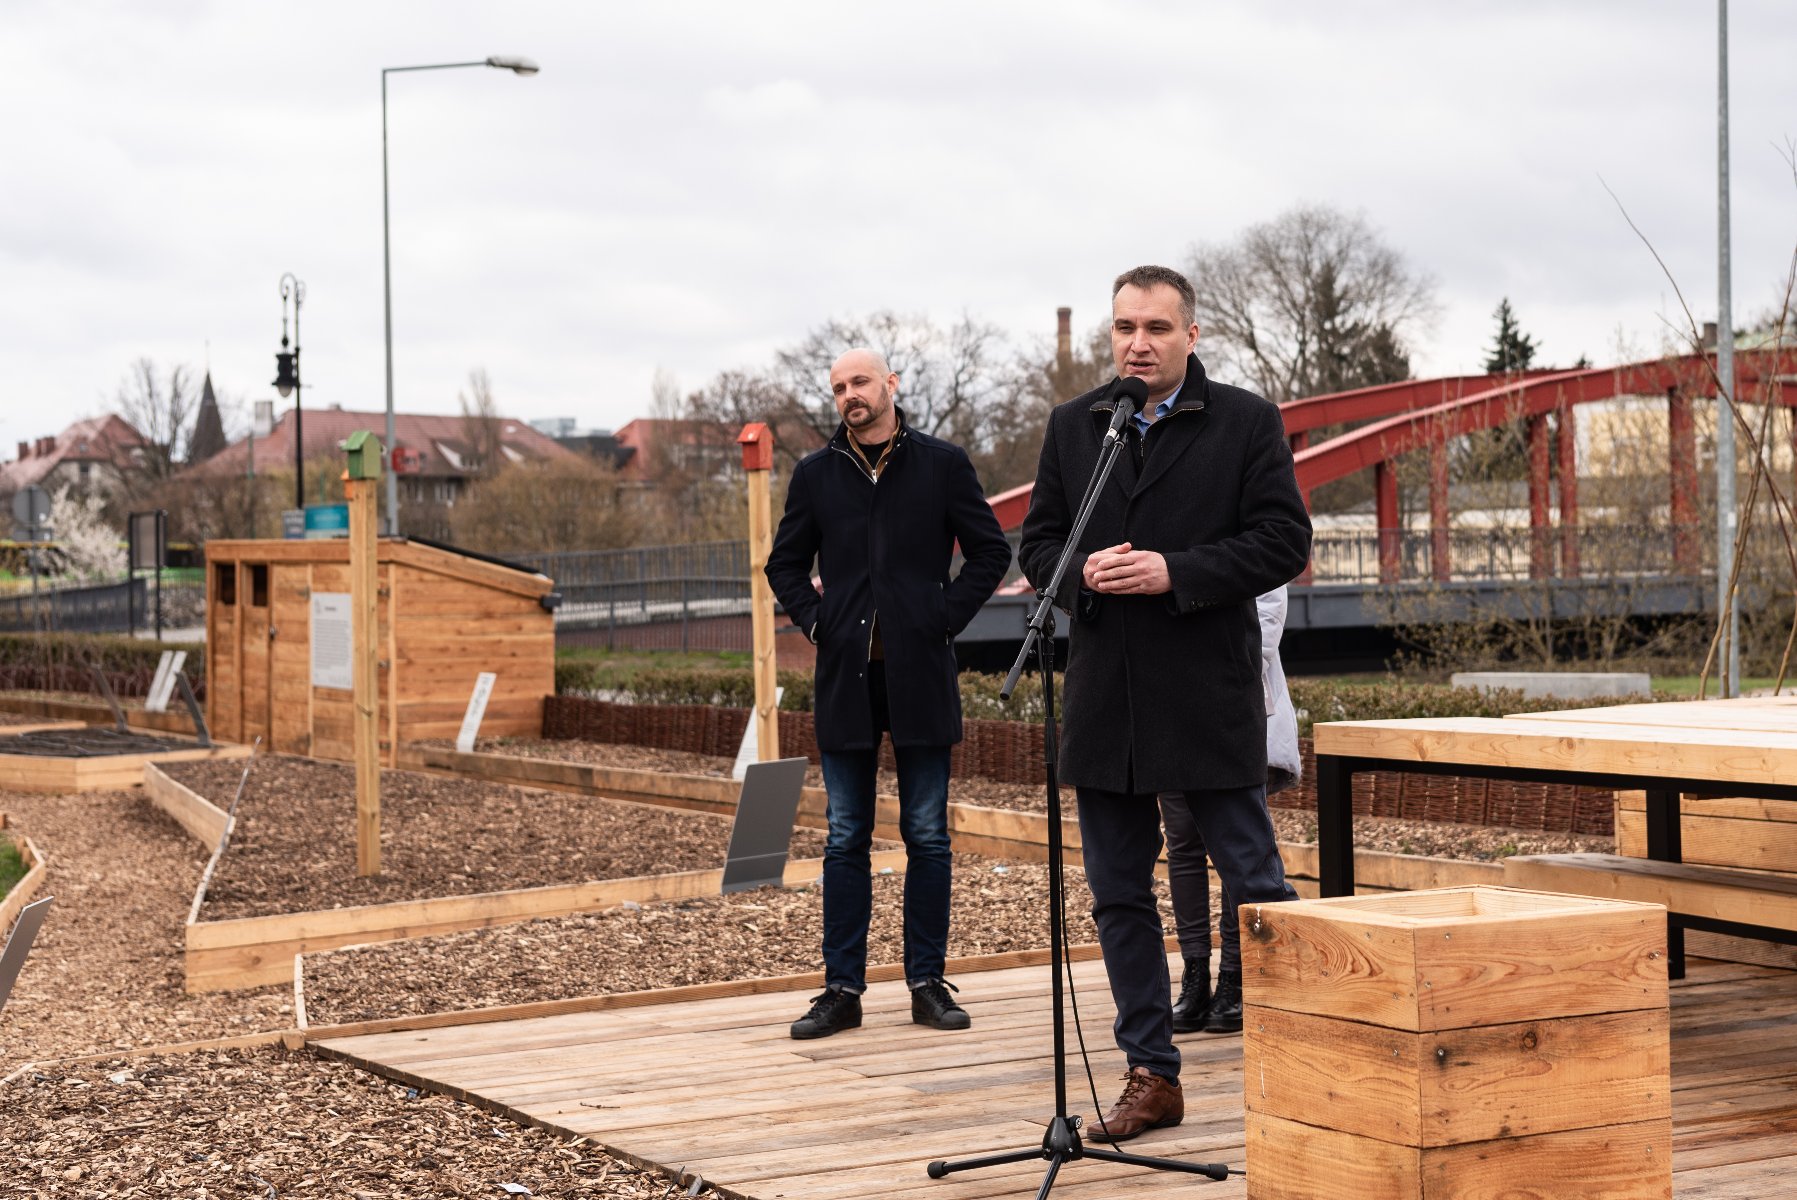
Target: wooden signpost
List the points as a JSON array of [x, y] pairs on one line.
[[361, 485], [758, 463]]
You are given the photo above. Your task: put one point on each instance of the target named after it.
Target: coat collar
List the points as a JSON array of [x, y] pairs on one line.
[[1171, 442], [1194, 393], [840, 440]]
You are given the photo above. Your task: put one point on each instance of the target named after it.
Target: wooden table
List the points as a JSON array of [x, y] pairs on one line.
[[1707, 748]]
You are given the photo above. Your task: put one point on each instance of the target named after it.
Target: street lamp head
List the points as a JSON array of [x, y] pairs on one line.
[[285, 379], [515, 63]]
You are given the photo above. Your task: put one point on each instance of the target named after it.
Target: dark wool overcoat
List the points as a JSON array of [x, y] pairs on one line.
[[885, 547], [1163, 692]]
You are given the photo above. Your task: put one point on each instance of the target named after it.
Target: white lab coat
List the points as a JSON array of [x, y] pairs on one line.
[[1284, 766]]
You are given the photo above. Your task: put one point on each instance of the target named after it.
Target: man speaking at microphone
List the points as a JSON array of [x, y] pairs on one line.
[[1200, 515]]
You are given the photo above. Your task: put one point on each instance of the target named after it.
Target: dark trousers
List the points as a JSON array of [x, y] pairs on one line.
[[1188, 878], [1120, 836]]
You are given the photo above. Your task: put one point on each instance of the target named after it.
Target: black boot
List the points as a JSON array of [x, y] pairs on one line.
[[1193, 1004], [1226, 1006]]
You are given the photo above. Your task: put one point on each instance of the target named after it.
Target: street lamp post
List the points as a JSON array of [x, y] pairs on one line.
[[287, 380], [505, 62]]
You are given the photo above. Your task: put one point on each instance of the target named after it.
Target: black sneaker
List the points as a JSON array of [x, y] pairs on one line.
[[1226, 1006], [1193, 1004], [830, 1013], [932, 1005]]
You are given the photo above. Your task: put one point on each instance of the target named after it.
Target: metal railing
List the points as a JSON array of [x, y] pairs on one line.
[[101, 608], [1591, 551], [692, 597]]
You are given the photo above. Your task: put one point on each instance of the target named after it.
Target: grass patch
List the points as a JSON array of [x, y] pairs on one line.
[[12, 866]]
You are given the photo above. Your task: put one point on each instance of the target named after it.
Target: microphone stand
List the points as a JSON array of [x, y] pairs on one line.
[[1061, 1142]]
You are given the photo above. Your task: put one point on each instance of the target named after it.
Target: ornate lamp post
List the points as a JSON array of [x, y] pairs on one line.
[[287, 380]]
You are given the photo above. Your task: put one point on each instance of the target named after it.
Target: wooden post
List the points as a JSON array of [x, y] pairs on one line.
[[361, 486], [758, 463]]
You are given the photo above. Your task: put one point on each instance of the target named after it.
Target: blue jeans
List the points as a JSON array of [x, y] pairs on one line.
[[849, 777]]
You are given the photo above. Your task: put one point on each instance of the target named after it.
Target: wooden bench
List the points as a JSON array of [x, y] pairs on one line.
[[1633, 753], [1718, 899]]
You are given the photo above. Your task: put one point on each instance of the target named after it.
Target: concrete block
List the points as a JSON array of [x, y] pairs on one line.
[[1564, 685]]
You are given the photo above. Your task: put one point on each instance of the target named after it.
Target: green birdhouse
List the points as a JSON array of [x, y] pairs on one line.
[[364, 456]]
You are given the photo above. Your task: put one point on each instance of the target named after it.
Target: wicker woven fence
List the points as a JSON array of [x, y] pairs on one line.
[[1011, 752]]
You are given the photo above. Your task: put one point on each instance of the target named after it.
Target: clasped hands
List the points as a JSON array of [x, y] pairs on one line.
[[1123, 570]]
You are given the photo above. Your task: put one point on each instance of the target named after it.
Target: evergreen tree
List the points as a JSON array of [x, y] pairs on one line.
[[1514, 350]]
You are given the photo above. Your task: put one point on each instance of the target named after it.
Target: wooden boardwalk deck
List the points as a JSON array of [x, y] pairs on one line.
[[717, 1086]]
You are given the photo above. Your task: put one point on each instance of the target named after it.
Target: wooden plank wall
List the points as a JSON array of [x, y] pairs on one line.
[[290, 658], [449, 631], [223, 684]]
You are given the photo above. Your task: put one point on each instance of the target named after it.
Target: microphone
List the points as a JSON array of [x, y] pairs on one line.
[[1130, 395]]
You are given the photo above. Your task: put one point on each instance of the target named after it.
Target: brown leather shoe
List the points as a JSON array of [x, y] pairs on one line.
[[1149, 1101]]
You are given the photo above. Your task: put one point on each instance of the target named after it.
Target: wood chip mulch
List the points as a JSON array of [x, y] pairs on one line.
[[293, 849], [105, 973], [1433, 838], [996, 907], [270, 1123]]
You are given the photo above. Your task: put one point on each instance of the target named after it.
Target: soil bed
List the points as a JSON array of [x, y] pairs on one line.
[[293, 849], [265, 1122], [105, 973]]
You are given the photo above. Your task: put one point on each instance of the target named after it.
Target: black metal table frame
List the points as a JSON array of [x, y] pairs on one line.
[[1335, 824]]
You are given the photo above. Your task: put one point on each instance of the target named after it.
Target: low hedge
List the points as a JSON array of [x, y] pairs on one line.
[[1316, 700], [109, 652], [59, 662], [726, 689]]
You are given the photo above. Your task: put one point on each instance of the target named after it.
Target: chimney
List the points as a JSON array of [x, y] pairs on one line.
[[1709, 335], [24, 451], [46, 446], [1063, 338]]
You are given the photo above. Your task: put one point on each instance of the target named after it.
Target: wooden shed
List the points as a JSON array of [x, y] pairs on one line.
[[278, 644]]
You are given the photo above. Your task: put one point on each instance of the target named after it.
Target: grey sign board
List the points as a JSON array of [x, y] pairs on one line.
[[24, 932], [763, 828]]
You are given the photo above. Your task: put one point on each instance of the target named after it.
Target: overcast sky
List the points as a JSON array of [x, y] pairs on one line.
[[687, 186]]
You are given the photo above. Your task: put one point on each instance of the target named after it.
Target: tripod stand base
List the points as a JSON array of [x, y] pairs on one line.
[[1061, 1144]]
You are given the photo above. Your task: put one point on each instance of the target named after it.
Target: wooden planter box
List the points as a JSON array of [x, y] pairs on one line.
[[1465, 1042]]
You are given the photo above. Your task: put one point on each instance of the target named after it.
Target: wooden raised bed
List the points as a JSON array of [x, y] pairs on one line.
[[201, 818], [69, 714], [254, 951], [100, 773], [35, 869]]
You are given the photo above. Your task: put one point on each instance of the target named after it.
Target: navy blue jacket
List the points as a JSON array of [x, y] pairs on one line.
[[886, 548], [1163, 692]]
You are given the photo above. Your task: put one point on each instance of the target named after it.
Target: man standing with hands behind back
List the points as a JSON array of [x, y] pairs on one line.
[[1163, 694], [881, 508]]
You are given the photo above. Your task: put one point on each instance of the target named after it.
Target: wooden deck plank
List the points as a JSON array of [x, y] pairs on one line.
[[716, 1085]]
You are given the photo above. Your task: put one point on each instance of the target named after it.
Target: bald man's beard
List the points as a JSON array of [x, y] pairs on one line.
[[860, 415]]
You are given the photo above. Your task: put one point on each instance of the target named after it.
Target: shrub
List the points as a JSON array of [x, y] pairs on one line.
[[59, 661], [658, 685], [1328, 700]]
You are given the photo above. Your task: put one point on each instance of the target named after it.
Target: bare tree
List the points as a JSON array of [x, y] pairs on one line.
[[480, 425], [161, 406], [508, 510], [945, 375], [1309, 302]]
